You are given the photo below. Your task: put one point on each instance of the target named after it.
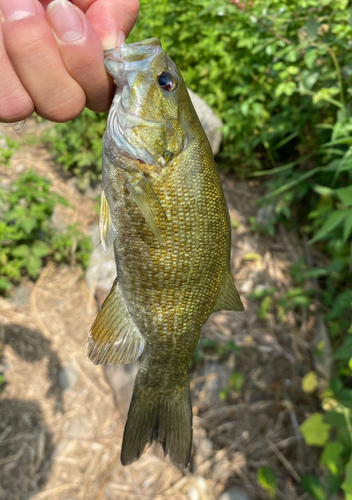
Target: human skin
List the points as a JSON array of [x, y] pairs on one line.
[[51, 55]]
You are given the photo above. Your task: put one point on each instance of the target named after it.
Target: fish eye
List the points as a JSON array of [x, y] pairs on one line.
[[167, 81]]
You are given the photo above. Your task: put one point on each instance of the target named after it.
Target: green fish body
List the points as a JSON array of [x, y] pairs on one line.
[[164, 210]]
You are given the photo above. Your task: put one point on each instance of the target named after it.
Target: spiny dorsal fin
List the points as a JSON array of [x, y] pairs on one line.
[[107, 229], [114, 339], [228, 299], [148, 203]]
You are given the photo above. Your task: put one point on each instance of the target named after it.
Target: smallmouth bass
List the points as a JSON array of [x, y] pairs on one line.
[[164, 211]]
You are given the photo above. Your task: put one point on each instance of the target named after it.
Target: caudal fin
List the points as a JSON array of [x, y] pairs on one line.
[[160, 417]]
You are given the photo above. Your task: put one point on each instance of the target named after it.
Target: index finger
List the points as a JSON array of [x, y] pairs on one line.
[[112, 20]]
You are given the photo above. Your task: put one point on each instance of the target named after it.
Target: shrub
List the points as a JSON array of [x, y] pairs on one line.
[[27, 239]]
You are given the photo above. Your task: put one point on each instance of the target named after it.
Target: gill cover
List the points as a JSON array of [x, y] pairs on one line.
[[144, 120]]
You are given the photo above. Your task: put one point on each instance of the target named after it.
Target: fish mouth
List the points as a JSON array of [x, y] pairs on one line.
[[136, 55]]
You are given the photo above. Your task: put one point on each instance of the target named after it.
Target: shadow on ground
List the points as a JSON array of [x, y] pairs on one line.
[[25, 449], [32, 346]]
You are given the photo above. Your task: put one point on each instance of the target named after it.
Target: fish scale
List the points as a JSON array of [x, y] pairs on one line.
[[164, 210]]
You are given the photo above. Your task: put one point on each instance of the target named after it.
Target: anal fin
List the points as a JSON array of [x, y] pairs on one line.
[[228, 298], [114, 339]]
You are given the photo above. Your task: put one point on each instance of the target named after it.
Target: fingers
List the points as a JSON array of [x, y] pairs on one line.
[[112, 20], [15, 103], [82, 53], [52, 61], [32, 49]]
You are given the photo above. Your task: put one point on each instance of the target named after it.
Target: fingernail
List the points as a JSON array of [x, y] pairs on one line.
[[65, 20], [121, 39], [12, 10]]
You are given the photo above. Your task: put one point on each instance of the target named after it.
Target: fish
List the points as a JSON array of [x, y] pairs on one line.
[[163, 210]]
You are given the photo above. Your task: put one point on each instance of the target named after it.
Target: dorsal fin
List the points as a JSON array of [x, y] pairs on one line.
[[228, 298], [114, 339]]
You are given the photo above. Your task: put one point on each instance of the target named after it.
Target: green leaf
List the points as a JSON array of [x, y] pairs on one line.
[[21, 251], [315, 431], [40, 249], [293, 183], [33, 266], [4, 284], [331, 456], [324, 190], [28, 224], [347, 229], [237, 380], [310, 57], [312, 28], [333, 220], [314, 487], [310, 382], [345, 195], [267, 480], [347, 484]]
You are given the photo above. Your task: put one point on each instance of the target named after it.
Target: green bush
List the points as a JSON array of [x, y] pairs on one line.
[[78, 146], [27, 239], [278, 73], [257, 67]]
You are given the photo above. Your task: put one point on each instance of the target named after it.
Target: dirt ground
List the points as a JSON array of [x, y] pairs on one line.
[[61, 424]]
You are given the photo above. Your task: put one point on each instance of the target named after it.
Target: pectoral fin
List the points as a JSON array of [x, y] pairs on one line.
[[149, 204], [114, 339], [107, 229], [228, 299]]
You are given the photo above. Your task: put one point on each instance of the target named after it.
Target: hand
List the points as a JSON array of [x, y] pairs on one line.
[[51, 55]]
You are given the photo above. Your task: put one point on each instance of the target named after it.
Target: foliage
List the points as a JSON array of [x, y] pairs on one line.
[[234, 385], [210, 349], [267, 480], [257, 66], [27, 239], [278, 73], [7, 150], [78, 145], [269, 71], [333, 432]]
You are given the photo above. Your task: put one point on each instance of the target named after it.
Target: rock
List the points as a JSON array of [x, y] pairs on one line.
[[121, 380], [234, 493], [210, 122], [265, 215], [80, 428], [216, 377], [68, 377], [102, 268], [22, 295], [322, 352], [198, 491]]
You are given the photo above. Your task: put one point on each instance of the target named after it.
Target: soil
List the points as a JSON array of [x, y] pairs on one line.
[[61, 423]]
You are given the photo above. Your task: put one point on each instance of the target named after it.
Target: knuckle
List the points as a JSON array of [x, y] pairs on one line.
[[15, 104], [64, 108], [32, 52], [133, 7]]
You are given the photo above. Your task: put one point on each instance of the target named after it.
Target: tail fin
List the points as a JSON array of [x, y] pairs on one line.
[[167, 418]]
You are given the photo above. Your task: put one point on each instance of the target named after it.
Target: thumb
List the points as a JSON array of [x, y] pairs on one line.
[[112, 20]]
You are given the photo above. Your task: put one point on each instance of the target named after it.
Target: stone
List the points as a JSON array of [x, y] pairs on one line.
[[80, 428], [22, 295], [216, 377], [102, 268], [210, 122], [68, 377], [198, 491], [121, 380], [234, 493]]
